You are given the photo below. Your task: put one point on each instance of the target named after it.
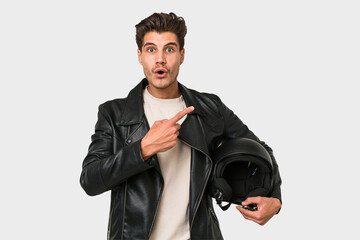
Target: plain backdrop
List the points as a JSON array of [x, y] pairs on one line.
[[288, 69]]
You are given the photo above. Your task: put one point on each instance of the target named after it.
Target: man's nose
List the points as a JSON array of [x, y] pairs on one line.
[[160, 58]]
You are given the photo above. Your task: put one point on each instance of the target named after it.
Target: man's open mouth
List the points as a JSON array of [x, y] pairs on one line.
[[160, 73]]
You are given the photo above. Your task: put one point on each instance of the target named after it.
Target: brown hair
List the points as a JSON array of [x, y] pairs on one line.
[[161, 22]]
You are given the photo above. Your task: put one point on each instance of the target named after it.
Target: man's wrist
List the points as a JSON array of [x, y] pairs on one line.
[[145, 152], [278, 204]]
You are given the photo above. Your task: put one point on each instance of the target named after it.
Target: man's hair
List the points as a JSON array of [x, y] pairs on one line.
[[161, 22]]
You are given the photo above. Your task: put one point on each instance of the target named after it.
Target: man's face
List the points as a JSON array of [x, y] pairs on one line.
[[161, 58]]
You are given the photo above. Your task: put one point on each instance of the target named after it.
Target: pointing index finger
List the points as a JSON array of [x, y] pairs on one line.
[[181, 114]]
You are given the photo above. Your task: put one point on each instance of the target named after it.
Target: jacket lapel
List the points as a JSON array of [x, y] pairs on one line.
[[192, 130], [133, 111], [193, 133]]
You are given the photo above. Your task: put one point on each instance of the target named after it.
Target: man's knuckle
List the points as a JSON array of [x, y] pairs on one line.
[[158, 122], [173, 130]]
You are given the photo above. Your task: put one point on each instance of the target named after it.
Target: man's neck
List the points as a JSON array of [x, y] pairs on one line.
[[166, 93]]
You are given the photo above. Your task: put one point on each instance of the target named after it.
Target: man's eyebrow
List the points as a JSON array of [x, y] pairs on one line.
[[149, 43], [172, 43], [168, 44]]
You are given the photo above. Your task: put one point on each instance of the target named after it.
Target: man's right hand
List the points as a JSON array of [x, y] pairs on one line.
[[162, 135]]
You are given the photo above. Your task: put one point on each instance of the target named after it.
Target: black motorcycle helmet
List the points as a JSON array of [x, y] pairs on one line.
[[242, 168]]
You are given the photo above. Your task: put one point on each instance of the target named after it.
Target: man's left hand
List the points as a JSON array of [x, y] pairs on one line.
[[267, 208]]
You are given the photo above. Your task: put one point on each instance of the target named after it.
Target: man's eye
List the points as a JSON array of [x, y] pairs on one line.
[[169, 50], [151, 50]]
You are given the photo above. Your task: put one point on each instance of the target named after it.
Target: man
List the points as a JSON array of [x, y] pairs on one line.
[[153, 148]]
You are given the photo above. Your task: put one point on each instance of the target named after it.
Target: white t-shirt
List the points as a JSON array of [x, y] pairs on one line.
[[172, 220]]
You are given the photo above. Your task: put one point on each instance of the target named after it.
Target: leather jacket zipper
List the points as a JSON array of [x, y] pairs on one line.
[[156, 210], [123, 222], [207, 178], [110, 223], [125, 192], [212, 212]]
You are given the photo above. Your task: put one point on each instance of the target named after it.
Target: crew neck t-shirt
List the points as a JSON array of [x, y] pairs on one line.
[[172, 219]]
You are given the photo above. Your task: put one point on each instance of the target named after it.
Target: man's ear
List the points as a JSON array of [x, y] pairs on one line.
[[182, 53], [139, 56]]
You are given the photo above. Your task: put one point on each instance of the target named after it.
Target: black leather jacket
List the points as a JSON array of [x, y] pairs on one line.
[[114, 162]]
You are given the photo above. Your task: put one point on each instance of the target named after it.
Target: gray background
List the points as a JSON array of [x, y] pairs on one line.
[[288, 69]]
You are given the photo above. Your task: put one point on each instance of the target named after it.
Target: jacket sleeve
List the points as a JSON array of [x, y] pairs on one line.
[[235, 128], [103, 168]]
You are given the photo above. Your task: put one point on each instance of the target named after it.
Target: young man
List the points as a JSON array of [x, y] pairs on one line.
[[153, 148]]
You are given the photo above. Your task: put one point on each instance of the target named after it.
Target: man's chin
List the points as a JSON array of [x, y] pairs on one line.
[[161, 83]]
